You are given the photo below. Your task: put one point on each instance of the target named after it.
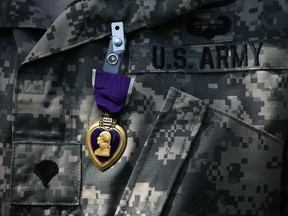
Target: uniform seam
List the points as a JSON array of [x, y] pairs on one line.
[[206, 71], [64, 48], [13, 172], [45, 203], [155, 179], [191, 128], [12, 189], [266, 134], [14, 114], [45, 143], [89, 115], [153, 133], [195, 119], [143, 12]]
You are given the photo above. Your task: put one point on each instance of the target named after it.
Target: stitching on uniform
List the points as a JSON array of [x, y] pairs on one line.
[[187, 138], [64, 48], [153, 133], [79, 175], [247, 125], [73, 3], [45, 203], [207, 71], [12, 189], [44, 143], [90, 113], [15, 100], [41, 91], [13, 171], [14, 113], [143, 12], [72, 115], [133, 59], [195, 105], [191, 128]]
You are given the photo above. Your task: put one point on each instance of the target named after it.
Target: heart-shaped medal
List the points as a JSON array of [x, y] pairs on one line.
[[106, 142]]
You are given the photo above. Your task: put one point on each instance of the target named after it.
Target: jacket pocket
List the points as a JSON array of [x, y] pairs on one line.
[[45, 174], [232, 168]]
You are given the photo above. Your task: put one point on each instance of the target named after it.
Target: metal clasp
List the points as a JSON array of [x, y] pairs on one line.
[[116, 48]]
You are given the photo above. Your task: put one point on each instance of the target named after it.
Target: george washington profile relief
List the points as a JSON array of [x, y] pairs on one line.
[[103, 140]]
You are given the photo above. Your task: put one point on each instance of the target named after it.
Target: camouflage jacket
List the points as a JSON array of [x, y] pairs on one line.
[[206, 125]]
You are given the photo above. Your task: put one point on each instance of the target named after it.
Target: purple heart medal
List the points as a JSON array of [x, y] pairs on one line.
[[106, 140]]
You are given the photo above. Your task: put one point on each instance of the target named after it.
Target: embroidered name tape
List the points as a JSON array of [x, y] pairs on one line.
[[209, 58]]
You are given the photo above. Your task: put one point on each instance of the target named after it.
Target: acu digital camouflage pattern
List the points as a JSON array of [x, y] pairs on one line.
[[209, 141]]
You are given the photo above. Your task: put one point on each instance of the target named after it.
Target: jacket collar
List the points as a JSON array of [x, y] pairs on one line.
[[23, 14], [90, 20]]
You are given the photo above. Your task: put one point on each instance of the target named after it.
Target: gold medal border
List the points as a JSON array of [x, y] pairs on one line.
[[116, 156]]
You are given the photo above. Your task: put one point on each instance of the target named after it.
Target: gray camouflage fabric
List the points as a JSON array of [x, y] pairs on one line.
[[206, 125]]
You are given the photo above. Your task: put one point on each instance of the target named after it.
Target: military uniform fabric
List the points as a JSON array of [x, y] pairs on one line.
[[206, 125]]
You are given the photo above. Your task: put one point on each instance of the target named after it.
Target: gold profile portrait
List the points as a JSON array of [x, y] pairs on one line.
[[103, 140]]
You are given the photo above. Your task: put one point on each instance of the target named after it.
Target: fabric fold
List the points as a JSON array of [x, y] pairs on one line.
[[163, 155], [88, 21]]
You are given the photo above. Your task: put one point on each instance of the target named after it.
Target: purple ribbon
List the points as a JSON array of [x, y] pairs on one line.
[[111, 91]]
